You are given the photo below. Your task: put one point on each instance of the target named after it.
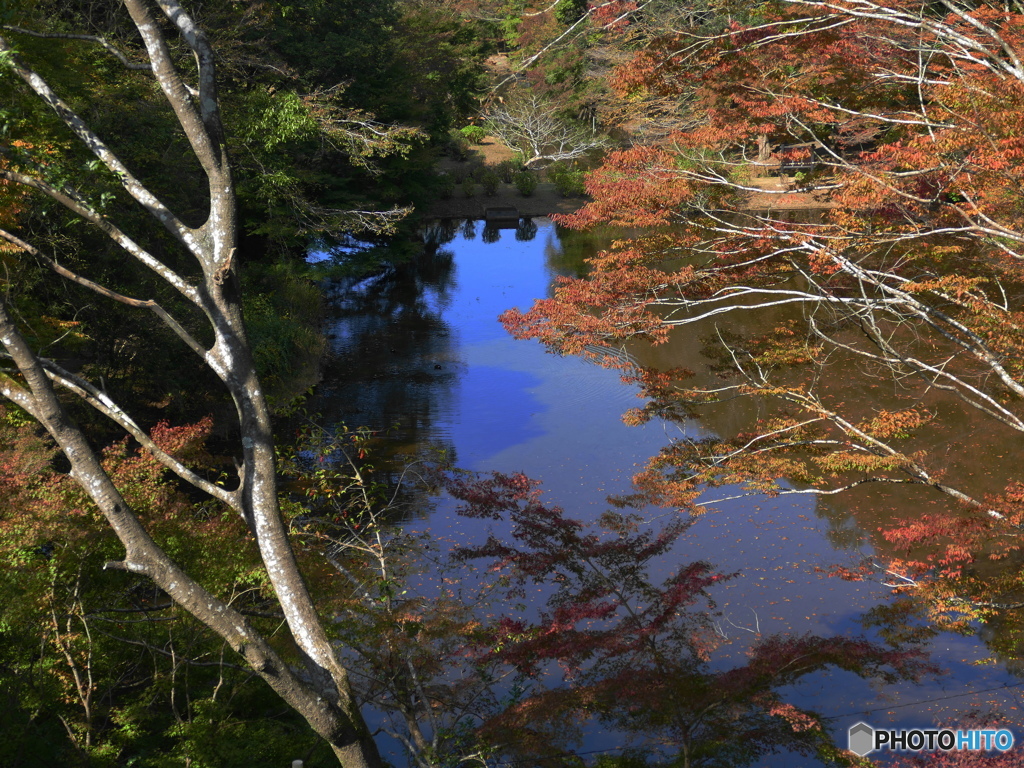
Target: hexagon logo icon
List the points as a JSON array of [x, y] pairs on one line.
[[861, 739]]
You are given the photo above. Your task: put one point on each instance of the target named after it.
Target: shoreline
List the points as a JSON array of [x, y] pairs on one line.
[[546, 201], [543, 202]]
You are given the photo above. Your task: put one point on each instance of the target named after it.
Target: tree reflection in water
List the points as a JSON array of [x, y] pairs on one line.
[[392, 362], [527, 230], [492, 233], [604, 637]]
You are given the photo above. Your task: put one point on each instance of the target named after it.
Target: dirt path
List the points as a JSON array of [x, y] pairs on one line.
[[778, 195]]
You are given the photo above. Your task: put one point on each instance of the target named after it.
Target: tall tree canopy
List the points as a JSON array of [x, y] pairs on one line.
[[185, 242]]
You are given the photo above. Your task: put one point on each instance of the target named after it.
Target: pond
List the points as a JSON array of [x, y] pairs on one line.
[[419, 350]]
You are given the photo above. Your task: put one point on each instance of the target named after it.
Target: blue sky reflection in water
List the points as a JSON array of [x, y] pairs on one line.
[[432, 357]]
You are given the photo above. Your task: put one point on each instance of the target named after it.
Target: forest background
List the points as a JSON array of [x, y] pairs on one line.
[[213, 145]]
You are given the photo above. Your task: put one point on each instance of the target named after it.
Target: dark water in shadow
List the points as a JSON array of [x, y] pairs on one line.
[[421, 349]]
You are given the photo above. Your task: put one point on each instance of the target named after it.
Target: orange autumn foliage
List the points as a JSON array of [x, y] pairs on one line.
[[909, 124]]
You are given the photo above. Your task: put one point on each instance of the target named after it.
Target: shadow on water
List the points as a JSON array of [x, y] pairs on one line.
[[395, 360], [392, 363]]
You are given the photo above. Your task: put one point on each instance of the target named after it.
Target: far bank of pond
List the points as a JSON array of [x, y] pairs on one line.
[[775, 194]]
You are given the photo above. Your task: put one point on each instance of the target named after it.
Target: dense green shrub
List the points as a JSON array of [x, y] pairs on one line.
[[568, 179], [525, 182], [490, 180], [474, 134], [507, 170]]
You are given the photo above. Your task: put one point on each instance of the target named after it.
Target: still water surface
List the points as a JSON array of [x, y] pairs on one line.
[[421, 350]]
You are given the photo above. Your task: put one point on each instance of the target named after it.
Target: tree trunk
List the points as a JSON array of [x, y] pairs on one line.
[[322, 695]]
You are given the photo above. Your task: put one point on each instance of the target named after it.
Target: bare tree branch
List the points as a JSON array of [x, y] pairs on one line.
[[111, 49]]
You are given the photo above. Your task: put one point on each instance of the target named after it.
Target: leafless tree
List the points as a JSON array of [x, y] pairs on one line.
[[528, 123], [319, 690]]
